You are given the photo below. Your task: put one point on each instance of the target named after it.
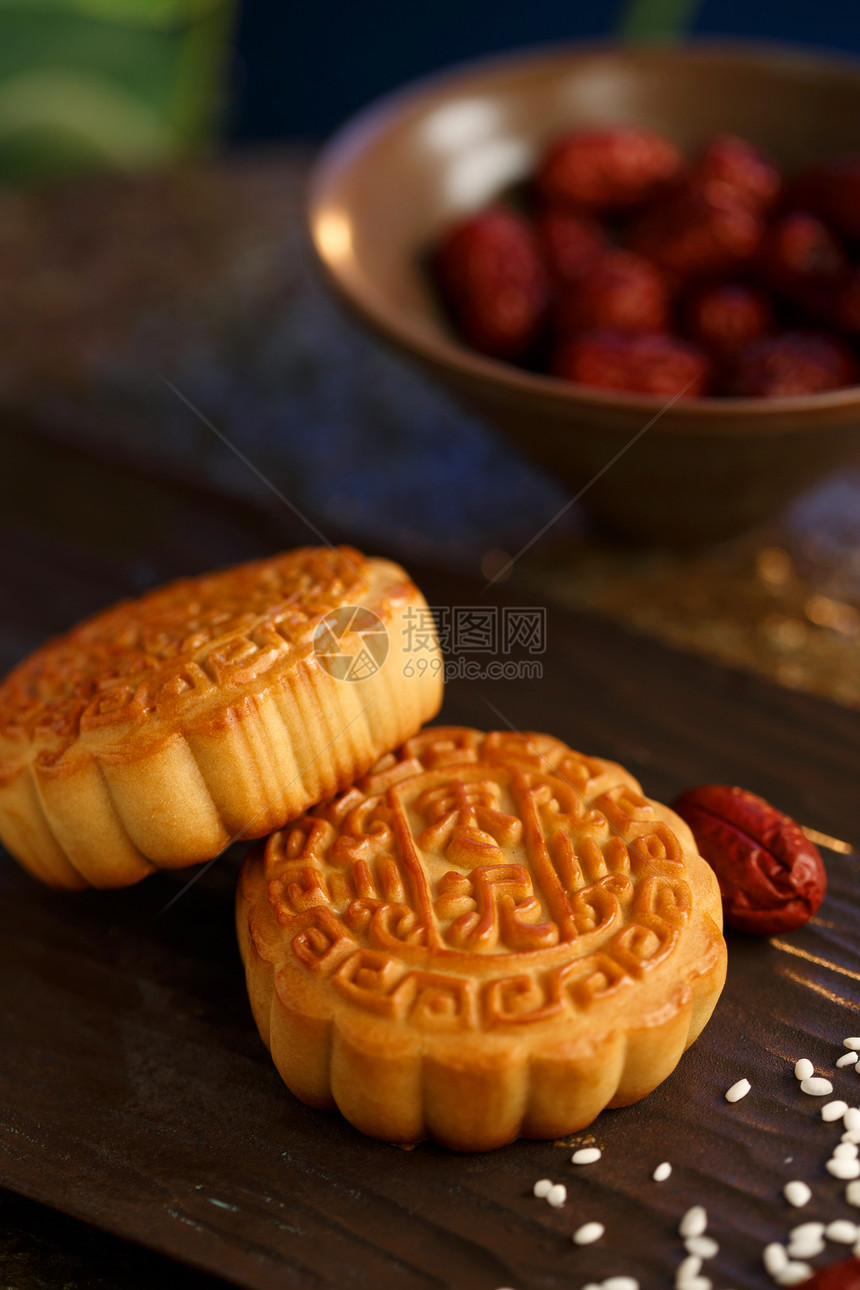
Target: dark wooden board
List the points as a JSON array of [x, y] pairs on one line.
[[136, 1095]]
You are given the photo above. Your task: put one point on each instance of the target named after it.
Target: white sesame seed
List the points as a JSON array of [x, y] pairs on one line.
[[694, 1222], [588, 1233], [662, 1172], [586, 1156], [851, 1118], [557, 1195], [804, 1230], [847, 1059], [542, 1188], [806, 1249], [774, 1258], [846, 1151], [842, 1232], [621, 1283], [833, 1111], [592, 1285], [851, 1135], [803, 1068], [852, 1194], [694, 1283], [738, 1090], [816, 1086], [843, 1169], [853, 1042], [793, 1274], [797, 1193], [687, 1269], [704, 1247]]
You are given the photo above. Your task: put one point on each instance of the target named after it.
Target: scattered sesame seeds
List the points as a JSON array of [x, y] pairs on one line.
[[852, 1117], [848, 1059], [557, 1195], [793, 1274], [694, 1222], [852, 1194], [738, 1090], [842, 1231], [586, 1156], [803, 1068], [833, 1110], [843, 1169], [853, 1043], [542, 1188], [588, 1233], [621, 1283], [816, 1086], [775, 1258], [662, 1172], [846, 1151], [797, 1193], [703, 1247]]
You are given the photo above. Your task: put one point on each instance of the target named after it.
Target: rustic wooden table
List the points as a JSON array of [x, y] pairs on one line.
[[135, 1096]]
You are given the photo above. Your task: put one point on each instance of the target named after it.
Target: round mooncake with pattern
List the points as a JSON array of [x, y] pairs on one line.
[[160, 730], [489, 936]]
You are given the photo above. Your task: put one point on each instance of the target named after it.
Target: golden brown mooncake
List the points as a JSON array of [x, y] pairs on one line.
[[490, 936], [156, 732]]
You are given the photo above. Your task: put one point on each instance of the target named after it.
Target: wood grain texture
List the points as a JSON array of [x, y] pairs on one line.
[[135, 1093]]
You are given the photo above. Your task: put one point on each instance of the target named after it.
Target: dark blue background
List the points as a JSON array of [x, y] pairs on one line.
[[304, 66]]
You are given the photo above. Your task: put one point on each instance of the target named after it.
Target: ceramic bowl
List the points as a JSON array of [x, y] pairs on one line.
[[394, 177]]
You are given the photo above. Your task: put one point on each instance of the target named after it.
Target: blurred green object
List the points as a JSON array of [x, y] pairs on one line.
[[122, 84]]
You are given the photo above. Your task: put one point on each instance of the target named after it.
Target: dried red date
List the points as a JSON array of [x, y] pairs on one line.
[[491, 272], [644, 363], [725, 317], [844, 1275], [623, 292], [803, 261], [694, 236], [607, 169], [731, 167], [771, 876], [831, 191], [571, 243], [800, 246], [792, 363]]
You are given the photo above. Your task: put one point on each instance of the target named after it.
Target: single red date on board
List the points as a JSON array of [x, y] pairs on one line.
[[771, 876]]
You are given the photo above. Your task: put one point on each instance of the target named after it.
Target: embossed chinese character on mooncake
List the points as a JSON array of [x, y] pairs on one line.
[[156, 732], [490, 936]]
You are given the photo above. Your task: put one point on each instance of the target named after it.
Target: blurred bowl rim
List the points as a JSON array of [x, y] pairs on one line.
[[351, 139]]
